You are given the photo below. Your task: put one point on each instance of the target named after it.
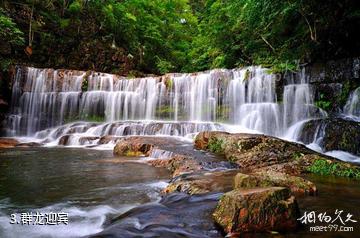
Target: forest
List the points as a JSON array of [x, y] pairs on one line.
[[140, 37]]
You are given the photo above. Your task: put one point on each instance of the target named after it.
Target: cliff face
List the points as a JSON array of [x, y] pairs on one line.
[[334, 81], [331, 81], [5, 91]]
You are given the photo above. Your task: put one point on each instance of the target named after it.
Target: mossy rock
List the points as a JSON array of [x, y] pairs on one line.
[[335, 168], [339, 134], [258, 153], [257, 210], [132, 148], [202, 182], [296, 184]]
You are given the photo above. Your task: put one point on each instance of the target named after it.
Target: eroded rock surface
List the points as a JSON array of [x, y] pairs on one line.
[[202, 182], [177, 156], [257, 210], [296, 184], [258, 152], [336, 133]]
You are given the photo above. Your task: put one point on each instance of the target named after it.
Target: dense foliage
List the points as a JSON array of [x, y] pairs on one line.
[[159, 36]]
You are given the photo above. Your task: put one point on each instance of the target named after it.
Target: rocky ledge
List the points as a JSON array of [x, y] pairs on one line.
[[259, 175], [6, 143], [256, 153]]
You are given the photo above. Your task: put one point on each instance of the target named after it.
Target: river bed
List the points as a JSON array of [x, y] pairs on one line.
[[117, 197]]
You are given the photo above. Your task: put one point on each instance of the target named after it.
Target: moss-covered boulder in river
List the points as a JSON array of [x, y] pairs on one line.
[[257, 210], [254, 153]]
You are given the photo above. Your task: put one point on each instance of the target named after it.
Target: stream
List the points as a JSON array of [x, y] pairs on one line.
[[118, 197], [75, 118]]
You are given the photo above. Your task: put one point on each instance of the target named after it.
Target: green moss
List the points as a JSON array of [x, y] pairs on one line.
[[169, 83], [247, 75], [277, 67], [71, 119], [131, 153], [323, 103], [327, 167], [216, 145], [297, 155], [85, 82], [165, 109], [94, 118], [232, 159], [90, 118], [222, 113], [345, 92]]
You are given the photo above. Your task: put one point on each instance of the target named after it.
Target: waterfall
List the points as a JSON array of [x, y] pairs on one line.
[[352, 106], [49, 104]]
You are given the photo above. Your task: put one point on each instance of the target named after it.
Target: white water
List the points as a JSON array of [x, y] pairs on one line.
[[244, 97], [239, 100], [352, 107]]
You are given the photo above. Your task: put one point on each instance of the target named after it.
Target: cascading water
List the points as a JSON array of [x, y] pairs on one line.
[[46, 103], [352, 107], [298, 104]]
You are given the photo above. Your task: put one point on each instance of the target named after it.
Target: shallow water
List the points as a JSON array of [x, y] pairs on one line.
[[116, 197], [90, 185]]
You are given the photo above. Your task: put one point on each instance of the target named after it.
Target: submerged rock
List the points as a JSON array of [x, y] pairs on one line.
[[296, 184], [336, 134], [202, 182], [257, 210], [8, 142]]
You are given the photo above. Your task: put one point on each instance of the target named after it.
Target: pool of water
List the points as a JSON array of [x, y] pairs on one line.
[[90, 185], [107, 196]]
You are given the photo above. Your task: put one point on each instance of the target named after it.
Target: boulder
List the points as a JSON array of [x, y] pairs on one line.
[[130, 147], [8, 142], [296, 184], [178, 164], [257, 210], [202, 140]]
